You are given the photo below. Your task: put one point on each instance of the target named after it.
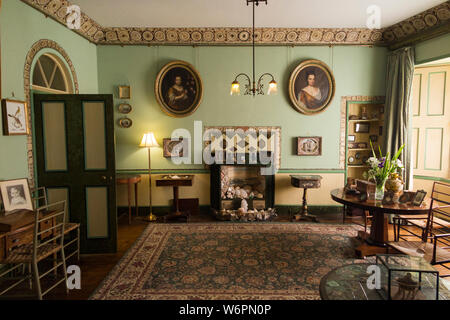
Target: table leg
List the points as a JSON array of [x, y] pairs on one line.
[[136, 198], [305, 215], [175, 200], [129, 202], [379, 229]]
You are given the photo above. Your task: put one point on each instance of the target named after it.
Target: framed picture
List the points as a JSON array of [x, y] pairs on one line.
[[178, 89], [125, 108], [14, 115], [124, 92], [388, 198], [16, 195], [175, 148], [406, 197], [309, 146], [361, 127], [418, 197], [311, 87], [125, 123], [373, 138], [351, 138]]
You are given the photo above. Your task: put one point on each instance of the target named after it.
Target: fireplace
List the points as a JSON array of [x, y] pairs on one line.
[[230, 184]]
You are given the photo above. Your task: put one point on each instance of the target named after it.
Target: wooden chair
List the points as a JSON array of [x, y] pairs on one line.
[[48, 239], [434, 229], [39, 196], [440, 222], [367, 218]]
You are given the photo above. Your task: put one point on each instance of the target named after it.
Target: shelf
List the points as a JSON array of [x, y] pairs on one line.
[[359, 149], [358, 166]]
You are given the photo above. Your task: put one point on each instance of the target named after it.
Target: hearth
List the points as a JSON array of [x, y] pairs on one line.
[[230, 184]]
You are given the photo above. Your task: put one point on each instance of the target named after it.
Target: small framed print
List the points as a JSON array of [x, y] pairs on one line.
[[125, 108], [406, 197], [309, 146], [175, 148], [388, 198], [125, 123], [418, 197], [14, 115], [363, 196], [16, 195], [361, 127], [351, 138], [124, 92]]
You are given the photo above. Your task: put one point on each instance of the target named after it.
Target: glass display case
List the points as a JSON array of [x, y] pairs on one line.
[[404, 277]]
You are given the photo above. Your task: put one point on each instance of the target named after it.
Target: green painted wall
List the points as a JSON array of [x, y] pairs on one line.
[[20, 27], [433, 49], [357, 70]]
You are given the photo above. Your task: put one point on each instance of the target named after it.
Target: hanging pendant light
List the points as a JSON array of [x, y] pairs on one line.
[[251, 87]]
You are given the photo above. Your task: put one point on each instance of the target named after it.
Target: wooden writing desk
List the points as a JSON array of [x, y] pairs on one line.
[[17, 229]]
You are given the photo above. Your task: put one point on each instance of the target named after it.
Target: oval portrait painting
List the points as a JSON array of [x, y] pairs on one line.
[[311, 87], [178, 89]]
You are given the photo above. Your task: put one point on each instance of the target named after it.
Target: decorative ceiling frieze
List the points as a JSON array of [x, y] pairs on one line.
[[91, 30], [429, 19]]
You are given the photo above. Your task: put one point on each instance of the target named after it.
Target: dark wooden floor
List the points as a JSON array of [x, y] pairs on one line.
[[95, 268]]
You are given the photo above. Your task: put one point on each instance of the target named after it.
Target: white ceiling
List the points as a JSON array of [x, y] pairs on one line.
[[235, 13]]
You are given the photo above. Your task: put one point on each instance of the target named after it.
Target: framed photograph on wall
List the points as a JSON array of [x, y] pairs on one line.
[[16, 195], [124, 92], [14, 116], [175, 148], [309, 146], [362, 127], [178, 89], [311, 87]]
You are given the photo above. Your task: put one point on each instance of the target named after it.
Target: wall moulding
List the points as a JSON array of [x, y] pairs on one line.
[[92, 31]]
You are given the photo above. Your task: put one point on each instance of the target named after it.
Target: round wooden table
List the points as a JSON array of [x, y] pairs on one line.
[[130, 179], [379, 230]]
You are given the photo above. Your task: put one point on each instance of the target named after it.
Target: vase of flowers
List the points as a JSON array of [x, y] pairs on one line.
[[381, 168]]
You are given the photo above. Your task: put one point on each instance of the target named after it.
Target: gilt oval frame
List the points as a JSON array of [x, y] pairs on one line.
[[294, 75], [198, 85]]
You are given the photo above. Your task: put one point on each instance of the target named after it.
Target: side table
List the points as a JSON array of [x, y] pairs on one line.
[[176, 181], [130, 179], [305, 182]]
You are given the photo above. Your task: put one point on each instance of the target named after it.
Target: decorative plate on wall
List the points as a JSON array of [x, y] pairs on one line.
[[178, 89], [125, 108], [125, 123], [311, 87]]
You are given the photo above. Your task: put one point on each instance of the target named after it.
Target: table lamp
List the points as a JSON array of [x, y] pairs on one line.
[[149, 141]]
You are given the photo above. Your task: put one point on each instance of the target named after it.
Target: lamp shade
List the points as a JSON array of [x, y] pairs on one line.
[[235, 88], [148, 141], [272, 88]]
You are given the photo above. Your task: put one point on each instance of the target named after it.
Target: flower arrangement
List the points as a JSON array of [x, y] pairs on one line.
[[382, 168]]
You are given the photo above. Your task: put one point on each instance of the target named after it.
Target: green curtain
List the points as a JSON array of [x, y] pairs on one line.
[[398, 115]]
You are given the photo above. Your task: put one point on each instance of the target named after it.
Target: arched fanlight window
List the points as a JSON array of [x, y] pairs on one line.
[[51, 75]]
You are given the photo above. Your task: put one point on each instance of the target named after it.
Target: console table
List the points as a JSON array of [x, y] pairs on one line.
[[130, 179], [305, 182]]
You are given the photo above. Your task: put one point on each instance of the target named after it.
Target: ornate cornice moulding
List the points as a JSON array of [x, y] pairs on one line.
[[91, 30]]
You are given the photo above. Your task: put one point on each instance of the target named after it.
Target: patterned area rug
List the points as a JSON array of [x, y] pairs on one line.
[[263, 261]]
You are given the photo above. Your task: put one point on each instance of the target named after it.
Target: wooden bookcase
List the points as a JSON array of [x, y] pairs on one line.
[[364, 122]]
